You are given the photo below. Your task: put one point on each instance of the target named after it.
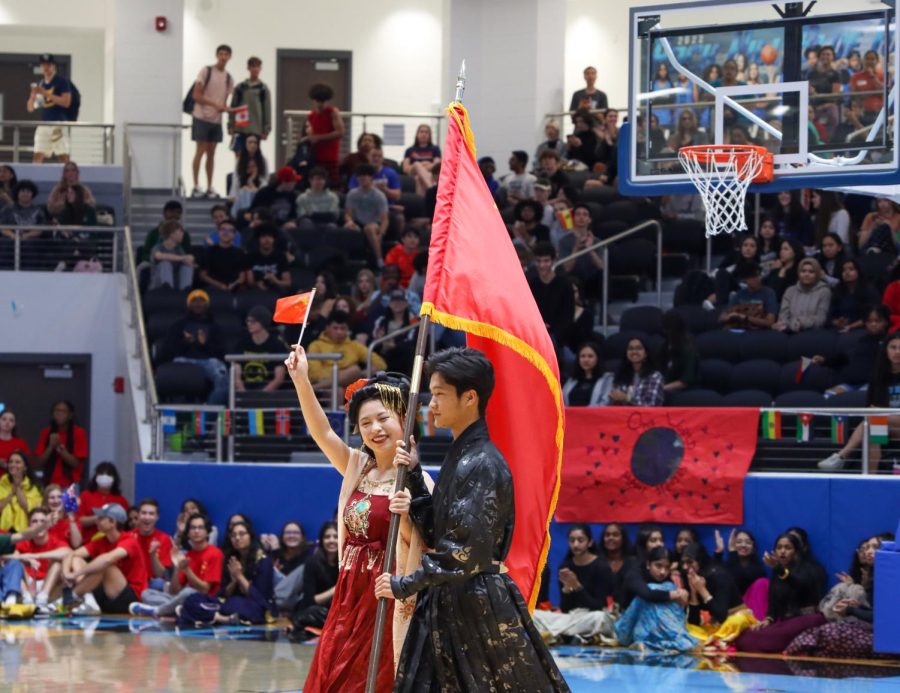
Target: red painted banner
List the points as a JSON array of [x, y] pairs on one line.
[[656, 464]]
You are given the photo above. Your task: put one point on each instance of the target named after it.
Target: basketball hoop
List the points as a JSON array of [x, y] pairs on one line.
[[722, 173]]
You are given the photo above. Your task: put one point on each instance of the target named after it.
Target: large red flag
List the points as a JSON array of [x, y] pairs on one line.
[[475, 283]]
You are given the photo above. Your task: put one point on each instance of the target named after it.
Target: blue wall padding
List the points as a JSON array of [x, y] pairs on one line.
[[887, 599], [836, 511]]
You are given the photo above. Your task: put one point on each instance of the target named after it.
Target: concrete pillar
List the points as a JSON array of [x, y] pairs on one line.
[[515, 54]]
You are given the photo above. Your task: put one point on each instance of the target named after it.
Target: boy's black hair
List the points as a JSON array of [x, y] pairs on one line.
[[465, 369]]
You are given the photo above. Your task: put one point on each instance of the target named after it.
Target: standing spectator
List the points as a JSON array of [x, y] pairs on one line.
[[590, 97], [267, 376], [366, 210], [169, 264], [172, 211], [53, 96], [224, 263], [19, 493], [105, 487], [9, 438], [327, 130], [211, 90], [891, 299], [637, 383], [71, 176], [552, 293], [198, 570], [251, 108], [196, 339], [869, 79], [419, 160], [108, 573], [519, 184], [404, 254], [63, 523], [805, 305], [62, 448], [156, 544], [552, 143], [824, 79], [317, 204], [267, 267]]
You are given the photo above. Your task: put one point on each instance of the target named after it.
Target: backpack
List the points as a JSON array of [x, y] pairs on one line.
[[187, 106], [75, 104]]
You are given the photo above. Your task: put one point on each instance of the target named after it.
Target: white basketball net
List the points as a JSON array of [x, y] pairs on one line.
[[722, 176]]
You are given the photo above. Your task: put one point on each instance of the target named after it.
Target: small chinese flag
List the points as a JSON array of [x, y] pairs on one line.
[[293, 309]]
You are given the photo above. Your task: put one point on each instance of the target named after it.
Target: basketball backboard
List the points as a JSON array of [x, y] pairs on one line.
[[750, 78]]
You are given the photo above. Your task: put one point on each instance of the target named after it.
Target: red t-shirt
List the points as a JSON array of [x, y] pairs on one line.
[[206, 565], [132, 566], [404, 260], [863, 81], [322, 122], [30, 547], [89, 501], [62, 474], [8, 447], [165, 547], [62, 530]]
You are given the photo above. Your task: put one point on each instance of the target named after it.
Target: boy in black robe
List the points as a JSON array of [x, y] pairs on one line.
[[471, 630]]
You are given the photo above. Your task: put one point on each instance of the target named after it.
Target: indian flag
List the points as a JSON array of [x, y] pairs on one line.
[[878, 430], [771, 425]]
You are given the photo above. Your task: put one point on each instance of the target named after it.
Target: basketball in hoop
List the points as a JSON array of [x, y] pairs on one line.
[[722, 173]]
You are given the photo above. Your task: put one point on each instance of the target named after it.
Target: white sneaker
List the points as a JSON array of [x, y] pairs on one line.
[[11, 600], [197, 193], [832, 462], [41, 599], [85, 609], [139, 609], [27, 598], [212, 194]]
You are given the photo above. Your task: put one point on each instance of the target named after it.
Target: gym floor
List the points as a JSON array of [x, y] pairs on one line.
[[122, 654]]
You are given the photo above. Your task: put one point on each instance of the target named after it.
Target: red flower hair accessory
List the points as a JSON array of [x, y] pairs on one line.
[[351, 389]]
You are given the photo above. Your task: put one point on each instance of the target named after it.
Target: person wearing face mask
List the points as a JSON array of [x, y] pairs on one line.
[[104, 488]]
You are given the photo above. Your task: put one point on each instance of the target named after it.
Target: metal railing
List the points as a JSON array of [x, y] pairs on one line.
[[58, 248], [356, 123], [864, 414], [234, 359], [141, 347], [393, 335], [132, 132], [89, 143], [604, 245]]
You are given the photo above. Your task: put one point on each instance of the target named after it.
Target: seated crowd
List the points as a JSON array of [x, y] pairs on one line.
[[681, 599]]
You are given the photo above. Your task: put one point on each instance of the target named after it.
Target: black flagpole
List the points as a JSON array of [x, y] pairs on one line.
[[412, 408]]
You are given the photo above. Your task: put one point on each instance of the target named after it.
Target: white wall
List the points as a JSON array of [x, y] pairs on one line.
[[64, 313], [396, 45]]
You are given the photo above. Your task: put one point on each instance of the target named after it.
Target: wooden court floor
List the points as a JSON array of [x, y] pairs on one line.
[[122, 655]]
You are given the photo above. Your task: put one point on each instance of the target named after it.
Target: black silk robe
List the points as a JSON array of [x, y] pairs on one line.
[[471, 630]]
